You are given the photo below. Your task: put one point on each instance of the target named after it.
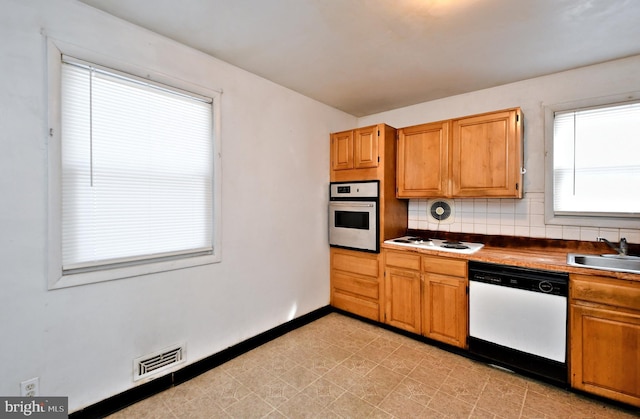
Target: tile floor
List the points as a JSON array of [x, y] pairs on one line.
[[339, 367]]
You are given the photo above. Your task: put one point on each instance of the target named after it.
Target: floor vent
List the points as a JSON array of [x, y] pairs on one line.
[[158, 361]]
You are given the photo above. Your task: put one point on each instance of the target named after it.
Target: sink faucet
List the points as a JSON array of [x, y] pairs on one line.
[[622, 249]]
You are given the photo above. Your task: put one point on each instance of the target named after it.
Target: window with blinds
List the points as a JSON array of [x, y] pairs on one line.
[[596, 161], [136, 170]]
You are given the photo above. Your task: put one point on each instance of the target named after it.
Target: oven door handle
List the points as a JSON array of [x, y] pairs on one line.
[[345, 204]]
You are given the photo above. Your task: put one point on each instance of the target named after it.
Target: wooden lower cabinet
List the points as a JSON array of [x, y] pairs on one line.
[[427, 295], [444, 300], [444, 303], [402, 289], [605, 337], [355, 282]]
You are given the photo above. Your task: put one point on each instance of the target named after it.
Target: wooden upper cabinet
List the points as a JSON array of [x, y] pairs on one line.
[[355, 149], [366, 147], [342, 150], [423, 160], [487, 155], [475, 156]]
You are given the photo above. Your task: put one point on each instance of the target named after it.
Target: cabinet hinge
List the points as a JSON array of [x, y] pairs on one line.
[[517, 186], [378, 159], [378, 133], [517, 118]]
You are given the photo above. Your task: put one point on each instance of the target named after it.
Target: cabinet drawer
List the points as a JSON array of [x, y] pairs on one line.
[[403, 260], [365, 264], [357, 285], [618, 293], [355, 305], [444, 266]]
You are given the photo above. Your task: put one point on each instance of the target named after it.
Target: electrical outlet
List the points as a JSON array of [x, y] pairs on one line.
[[29, 388]]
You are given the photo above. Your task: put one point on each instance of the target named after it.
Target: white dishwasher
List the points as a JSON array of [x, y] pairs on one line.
[[518, 318]]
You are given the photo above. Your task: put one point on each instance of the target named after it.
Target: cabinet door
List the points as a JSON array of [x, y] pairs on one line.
[[605, 353], [402, 293], [366, 147], [444, 305], [423, 161], [487, 155], [342, 150]]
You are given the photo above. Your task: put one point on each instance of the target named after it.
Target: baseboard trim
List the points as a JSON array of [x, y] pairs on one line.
[[127, 398]]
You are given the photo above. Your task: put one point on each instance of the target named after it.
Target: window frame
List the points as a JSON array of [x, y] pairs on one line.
[[56, 277], [597, 221]]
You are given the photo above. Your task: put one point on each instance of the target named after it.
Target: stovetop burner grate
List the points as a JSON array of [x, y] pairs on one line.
[[454, 245]]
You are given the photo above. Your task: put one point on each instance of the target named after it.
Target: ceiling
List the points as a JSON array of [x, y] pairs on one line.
[[369, 56]]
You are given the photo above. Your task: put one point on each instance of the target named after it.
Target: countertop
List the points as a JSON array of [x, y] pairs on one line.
[[528, 253]]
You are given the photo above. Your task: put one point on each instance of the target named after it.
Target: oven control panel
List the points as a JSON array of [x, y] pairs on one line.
[[354, 190]]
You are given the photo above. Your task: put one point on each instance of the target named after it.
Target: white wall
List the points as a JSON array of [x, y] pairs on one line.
[[81, 341], [523, 217]]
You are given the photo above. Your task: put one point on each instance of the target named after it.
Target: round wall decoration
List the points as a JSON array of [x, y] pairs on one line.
[[441, 210]]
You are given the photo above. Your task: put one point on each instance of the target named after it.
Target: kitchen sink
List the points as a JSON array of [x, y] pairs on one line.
[[616, 263]]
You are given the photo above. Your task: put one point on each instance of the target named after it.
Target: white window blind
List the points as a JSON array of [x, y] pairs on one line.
[[137, 170], [596, 161]]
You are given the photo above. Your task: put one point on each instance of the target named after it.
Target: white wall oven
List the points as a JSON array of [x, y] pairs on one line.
[[354, 219]]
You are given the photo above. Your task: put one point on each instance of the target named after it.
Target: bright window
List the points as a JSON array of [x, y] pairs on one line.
[[136, 169], [134, 179], [596, 161]]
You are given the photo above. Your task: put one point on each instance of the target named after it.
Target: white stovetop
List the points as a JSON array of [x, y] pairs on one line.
[[434, 244]]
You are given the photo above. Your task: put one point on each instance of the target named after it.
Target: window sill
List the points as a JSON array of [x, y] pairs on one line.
[[59, 280], [596, 222]]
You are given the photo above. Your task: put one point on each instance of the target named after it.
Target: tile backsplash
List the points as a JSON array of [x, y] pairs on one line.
[[508, 217]]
